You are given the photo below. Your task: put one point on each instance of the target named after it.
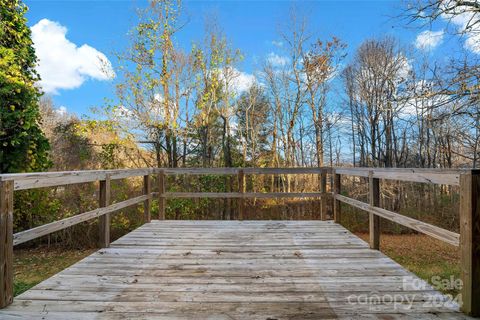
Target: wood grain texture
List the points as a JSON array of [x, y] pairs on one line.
[[147, 204], [241, 190], [337, 189], [231, 270], [24, 181], [254, 247], [27, 235], [323, 199], [470, 241], [373, 219], [6, 243], [161, 194], [425, 228], [434, 176], [247, 171], [104, 220], [242, 195]]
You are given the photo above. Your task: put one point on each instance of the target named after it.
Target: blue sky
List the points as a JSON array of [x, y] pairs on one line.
[[93, 27]]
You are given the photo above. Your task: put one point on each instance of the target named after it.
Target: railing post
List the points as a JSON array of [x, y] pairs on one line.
[[241, 189], [161, 194], [323, 198], [6, 243], [104, 220], [470, 241], [337, 188], [147, 204], [374, 220]]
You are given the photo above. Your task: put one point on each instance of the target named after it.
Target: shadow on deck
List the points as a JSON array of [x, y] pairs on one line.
[[264, 270]]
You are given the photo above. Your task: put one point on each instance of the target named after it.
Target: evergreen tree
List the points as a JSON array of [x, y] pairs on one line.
[[23, 146]]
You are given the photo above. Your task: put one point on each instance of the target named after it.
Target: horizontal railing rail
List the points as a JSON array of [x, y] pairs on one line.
[[43, 230], [422, 227], [435, 176], [25, 181], [239, 195], [430, 176], [468, 180], [469, 237]]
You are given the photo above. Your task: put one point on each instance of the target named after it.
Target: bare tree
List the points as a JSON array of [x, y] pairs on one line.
[[373, 81], [320, 64]]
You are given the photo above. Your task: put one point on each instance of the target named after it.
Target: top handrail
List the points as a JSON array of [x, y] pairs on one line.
[[422, 175], [24, 181]]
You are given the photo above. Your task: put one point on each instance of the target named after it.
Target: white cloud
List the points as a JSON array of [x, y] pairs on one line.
[[424, 98], [158, 97], [128, 118], [472, 42], [465, 22], [278, 44], [276, 60], [404, 69], [428, 40], [63, 65], [122, 112], [243, 81], [61, 111], [408, 110], [460, 17], [238, 80]]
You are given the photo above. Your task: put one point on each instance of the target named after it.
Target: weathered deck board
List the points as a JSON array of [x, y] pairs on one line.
[[231, 270]]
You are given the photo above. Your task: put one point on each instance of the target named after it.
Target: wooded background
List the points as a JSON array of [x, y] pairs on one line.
[[387, 106]]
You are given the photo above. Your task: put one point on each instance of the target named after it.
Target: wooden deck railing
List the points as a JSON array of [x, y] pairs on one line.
[[468, 240]]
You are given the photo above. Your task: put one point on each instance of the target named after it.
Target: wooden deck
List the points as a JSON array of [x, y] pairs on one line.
[[264, 270]]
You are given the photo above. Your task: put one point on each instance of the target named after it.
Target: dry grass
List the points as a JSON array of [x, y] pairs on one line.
[[422, 255]]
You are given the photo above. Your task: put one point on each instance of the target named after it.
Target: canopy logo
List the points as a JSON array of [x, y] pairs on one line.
[[414, 290]]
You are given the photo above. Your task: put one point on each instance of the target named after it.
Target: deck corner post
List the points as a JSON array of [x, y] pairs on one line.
[[337, 188], [161, 194], [323, 197], [241, 189], [147, 204], [373, 219], [104, 220], [6, 243], [470, 241]]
